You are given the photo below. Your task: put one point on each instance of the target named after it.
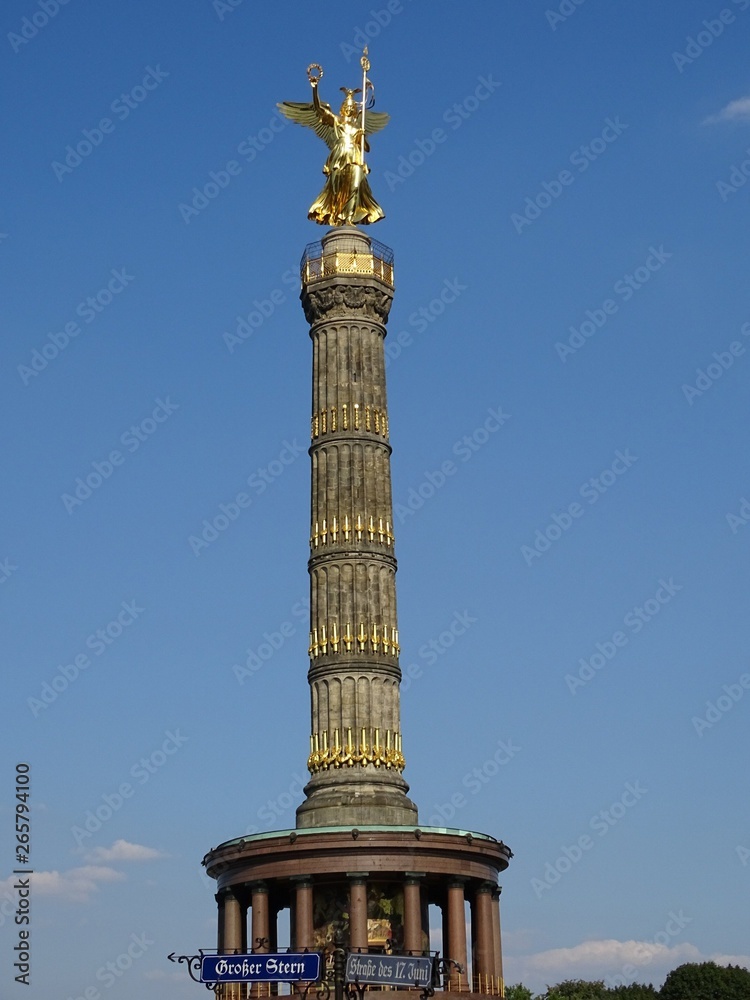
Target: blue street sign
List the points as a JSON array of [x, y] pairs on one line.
[[288, 968], [388, 970]]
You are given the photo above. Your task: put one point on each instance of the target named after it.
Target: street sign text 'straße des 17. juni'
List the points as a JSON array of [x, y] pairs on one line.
[[388, 970]]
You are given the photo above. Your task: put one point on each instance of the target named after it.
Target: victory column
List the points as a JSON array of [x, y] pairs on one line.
[[358, 873]]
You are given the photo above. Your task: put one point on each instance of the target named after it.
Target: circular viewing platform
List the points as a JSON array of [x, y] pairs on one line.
[[346, 251]]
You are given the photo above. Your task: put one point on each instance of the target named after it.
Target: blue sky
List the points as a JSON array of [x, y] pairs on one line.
[[571, 177]]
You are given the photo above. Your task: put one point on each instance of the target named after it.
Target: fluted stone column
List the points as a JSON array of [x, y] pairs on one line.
[[356, 755]]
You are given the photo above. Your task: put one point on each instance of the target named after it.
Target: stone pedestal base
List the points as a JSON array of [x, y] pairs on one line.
[[368, 798]]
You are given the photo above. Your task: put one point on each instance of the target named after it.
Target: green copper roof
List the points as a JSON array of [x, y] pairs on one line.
[[251, 838]]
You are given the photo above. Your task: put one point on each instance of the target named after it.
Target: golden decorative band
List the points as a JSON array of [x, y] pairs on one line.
[[356, 529], [323, 757], [355, 418], [325, 639]]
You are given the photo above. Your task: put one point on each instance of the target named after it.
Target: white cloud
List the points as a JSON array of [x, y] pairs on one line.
[[738, 110], [631, 961], [76, 885], [121, 850]]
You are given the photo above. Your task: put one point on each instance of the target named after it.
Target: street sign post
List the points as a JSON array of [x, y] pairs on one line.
[[272, 968]]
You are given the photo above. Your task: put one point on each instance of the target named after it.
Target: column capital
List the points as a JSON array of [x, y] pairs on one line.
[[489, 887], [357, 876]]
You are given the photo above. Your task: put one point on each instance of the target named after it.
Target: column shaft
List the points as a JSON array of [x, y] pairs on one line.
[[303, 916], [483, 944], [497, 943], [358, 915], [232, 924], [260, 934], [412, 916], [455, 948], [260, 919], [220, 921]]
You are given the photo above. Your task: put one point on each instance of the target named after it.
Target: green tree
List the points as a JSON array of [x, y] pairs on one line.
[[576, 989], [518, 992], [634, 991], [706, 981]]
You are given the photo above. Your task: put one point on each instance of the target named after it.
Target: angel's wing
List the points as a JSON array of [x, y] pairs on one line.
[[375, 121], [306, 114]]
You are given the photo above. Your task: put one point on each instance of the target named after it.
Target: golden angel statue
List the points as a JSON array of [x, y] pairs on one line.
[[346, 198]]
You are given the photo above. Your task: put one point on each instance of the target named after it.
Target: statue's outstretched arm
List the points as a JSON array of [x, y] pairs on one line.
[[323, 111]]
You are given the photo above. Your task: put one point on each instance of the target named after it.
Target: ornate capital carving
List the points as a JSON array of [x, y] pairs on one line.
[[344, 301]]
